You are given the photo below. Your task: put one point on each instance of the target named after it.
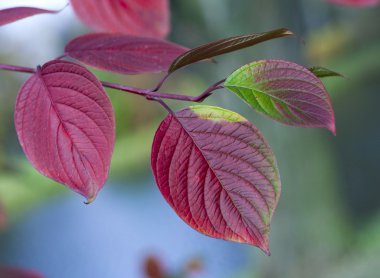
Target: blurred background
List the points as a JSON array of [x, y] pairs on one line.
[[328, 220]]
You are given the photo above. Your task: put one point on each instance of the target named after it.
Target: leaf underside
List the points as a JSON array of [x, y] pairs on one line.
[[65, 125], [124, 53], [224, 46], [14, 14], [150, 18], [218, 173], [285, 92]]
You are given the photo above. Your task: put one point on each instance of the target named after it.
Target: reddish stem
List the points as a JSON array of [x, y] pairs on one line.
[[148, 94], [16, 68]]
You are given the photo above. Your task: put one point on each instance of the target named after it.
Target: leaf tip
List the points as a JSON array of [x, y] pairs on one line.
[[332, 128], [90, 199]]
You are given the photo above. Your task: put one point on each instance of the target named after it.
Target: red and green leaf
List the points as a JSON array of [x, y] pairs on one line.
[[218, 173], [14, 14], [224, 46], [285, 92], [150, 18], [65, 124], [124, 53]]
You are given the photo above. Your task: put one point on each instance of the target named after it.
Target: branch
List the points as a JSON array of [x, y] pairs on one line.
[[16, 68], [147, 93]]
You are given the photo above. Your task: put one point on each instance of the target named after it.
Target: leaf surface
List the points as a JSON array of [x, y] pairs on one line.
[[124, 53], [149, 18], [224, 46], [218, 173], [284, 91], [14, 14], [322, 72], [65, 124]]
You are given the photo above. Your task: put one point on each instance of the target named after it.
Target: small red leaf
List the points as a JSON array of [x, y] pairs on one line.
[[218, 173], [65, 124], [14, 14], [358, 3], [124, 53], [149, 18], [13, 272]]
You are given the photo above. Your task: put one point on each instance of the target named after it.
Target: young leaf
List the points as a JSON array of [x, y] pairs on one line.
[[124, 53], [65, 124], [322, 72], [13, 272], [224, 46], [150, 18], [218, 173], [358, 3], [285, 92], [14, 14]]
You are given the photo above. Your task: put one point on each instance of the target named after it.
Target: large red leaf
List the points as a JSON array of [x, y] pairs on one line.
[[124, 53], [13, 14], [218, 173], [150, 18], [13, 272], [285, 92], [356, 2], [65, 125]]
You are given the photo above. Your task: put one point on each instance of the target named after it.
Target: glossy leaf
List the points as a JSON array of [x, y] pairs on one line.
[[322, 72], [123, 53], [218, 173], [358, 3], [224, 46], [148, 18], [284, 91], [65, 125], [14, 14], [13, 272]]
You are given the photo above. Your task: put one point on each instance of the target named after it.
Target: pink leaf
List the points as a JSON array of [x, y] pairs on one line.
[[148, 18], [124, 53], [65, 124], [218, 173], [285, 92], [14, 14], [13, 272], [356, 2]]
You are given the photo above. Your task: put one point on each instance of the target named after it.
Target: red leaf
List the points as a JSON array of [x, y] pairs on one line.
[[356, 2], [149, 18], [218, 173], [123, 53], [65, 125], [13, 272], [14, 14]]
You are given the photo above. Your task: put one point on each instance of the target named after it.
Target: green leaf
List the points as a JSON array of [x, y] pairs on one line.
[[224, 46], [322, 72]]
